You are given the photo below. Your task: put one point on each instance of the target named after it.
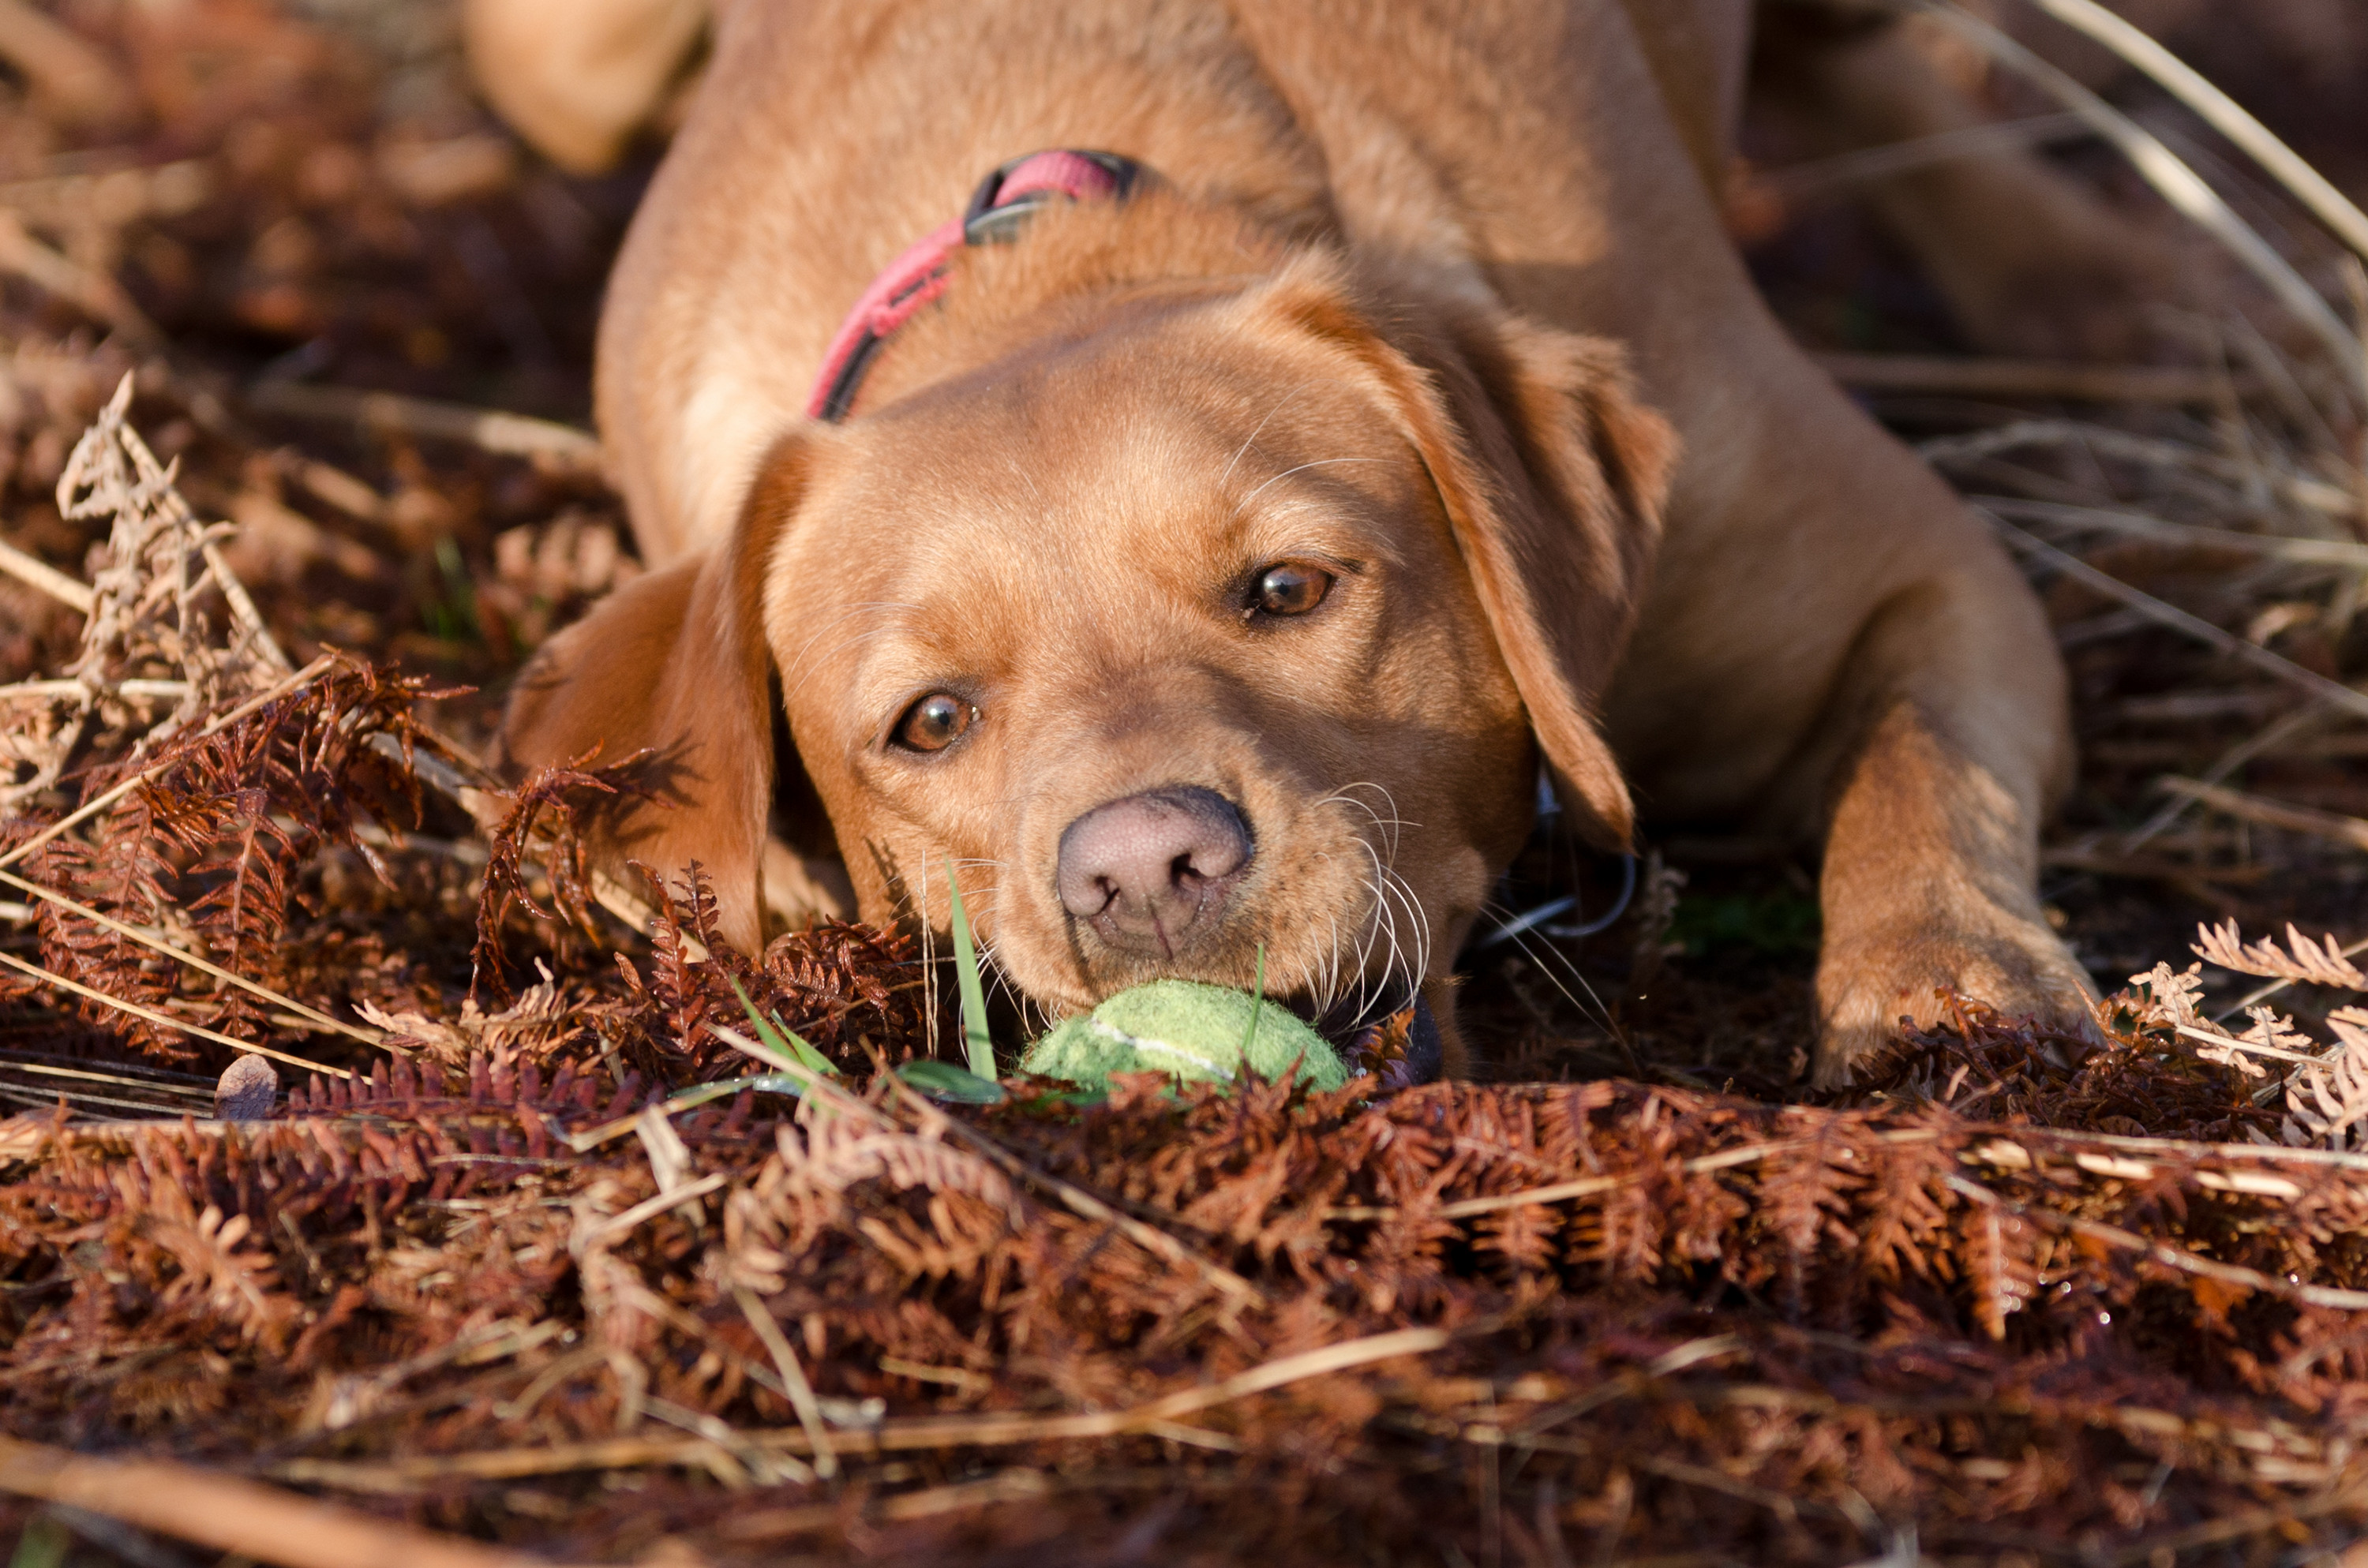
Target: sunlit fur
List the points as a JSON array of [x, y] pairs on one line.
[[1441, 287], [1349, 737]]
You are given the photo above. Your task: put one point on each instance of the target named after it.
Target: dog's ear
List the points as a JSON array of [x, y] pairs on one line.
[[1553, 476], [674, 664]]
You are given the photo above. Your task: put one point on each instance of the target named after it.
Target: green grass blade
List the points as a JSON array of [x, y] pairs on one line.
[[782, 1041], [944, 1081], [814, 1060], [44, 1544], [979, 1049], [795, 1071], [725, 1088]]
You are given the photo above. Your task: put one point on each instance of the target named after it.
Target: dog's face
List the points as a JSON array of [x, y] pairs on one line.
[[1164, 638], [1222, 633]]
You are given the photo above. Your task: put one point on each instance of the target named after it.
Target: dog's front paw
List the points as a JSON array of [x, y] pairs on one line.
[[1867, 980]]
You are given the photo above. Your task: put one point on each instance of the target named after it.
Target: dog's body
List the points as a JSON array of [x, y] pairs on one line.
[[1291, 510]]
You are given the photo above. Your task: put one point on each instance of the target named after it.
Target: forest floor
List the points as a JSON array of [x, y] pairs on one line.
[[1640, 1296]]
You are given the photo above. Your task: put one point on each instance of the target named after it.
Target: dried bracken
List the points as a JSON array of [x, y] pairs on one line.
[[528, 1252], [1737, 1318]]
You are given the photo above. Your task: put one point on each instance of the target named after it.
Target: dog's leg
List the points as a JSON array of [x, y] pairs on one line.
[[2030, 261], [1938, 754]]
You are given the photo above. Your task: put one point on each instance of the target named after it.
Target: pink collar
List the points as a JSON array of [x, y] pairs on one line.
[[998, 209]]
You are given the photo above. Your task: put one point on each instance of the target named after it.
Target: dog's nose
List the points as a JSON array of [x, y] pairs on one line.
[[1146, 869]]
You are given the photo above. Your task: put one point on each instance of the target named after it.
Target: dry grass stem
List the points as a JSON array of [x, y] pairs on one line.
[[60, 982], [1819, 176], [236, 1515], [2329, 825], [793, 1379], [1085, 1206], [289, 688], [1955, 376], [2107, 441], [2171, 1256], [2277, 547], [2171, 179], [2220, 111], [2333, 692], [489, 430], [311, 1016], [47, 578], [894, 1436], [94, 294]]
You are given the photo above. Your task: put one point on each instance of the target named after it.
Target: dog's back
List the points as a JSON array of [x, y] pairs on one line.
[[827, 135]]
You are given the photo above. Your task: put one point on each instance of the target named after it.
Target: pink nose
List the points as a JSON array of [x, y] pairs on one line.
[[1151, 871]]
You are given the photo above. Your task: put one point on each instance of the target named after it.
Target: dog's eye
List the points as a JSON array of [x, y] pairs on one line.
[[1288, 590], [935, 722]]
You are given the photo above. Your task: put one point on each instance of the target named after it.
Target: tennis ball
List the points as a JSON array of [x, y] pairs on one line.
[[1190, 1031]]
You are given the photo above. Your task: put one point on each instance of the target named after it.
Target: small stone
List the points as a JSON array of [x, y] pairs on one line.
[[247, 1090]]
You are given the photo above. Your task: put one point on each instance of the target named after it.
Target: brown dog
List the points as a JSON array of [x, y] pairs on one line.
[[1209, 572]]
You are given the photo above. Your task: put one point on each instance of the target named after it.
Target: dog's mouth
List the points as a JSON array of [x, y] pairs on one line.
[[1396, 1042]]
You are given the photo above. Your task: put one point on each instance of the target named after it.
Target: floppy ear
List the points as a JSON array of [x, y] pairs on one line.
[[1553, 476], [674, 664]]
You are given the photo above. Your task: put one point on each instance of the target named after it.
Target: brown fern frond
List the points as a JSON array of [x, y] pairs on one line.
[[2305, 961], [2330, 1102], [1999, 1249], [203, 850], [689, 992], [543, 823]]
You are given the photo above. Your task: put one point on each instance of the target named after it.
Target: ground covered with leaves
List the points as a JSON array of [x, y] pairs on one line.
[[370, 1146]]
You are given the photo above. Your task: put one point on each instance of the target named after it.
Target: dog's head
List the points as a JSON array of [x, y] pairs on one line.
[[1196, 616]]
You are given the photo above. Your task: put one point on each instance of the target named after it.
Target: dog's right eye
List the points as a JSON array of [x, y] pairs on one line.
[[935, 722]]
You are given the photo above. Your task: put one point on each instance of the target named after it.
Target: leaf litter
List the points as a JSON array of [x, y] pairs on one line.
[[377, 1158]]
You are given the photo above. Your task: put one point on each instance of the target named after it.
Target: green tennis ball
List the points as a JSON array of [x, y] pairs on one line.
[[1190, 1031]]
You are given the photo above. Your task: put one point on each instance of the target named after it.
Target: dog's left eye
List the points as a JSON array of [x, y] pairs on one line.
[[1288, 590], [935, 722]]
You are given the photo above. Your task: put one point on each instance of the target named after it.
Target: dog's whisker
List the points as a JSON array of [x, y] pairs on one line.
[[1403, 948], [1376, 912], [1320, 463], [1353, 984], [1251, 440], [980, 901], [1418, 968], [1389, 823], [1334, 966], [1389, 897], [1380, 928], [1406, 955], [1415, 952], [1365, 937], [1538, 952], [800, 659], [816, 667], [1392, 823], [1421, 917], [994, 979]]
